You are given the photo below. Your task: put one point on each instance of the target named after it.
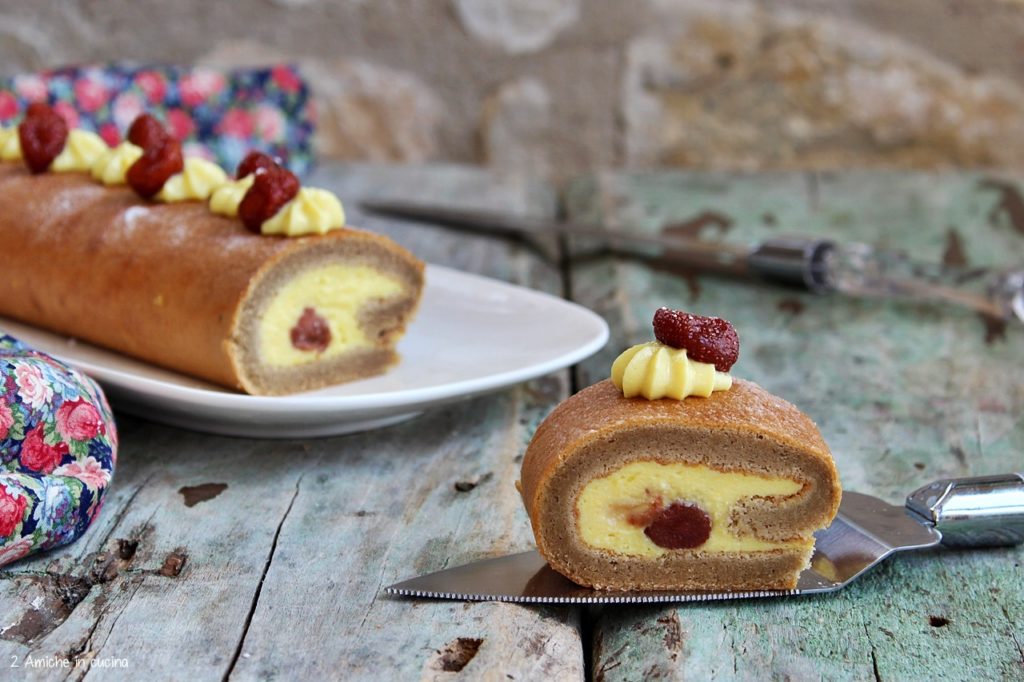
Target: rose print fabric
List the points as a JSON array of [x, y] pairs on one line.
[[218, 115], [58, 446]]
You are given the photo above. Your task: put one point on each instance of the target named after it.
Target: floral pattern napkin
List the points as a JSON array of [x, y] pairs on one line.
[[218, 115], [58, 446]]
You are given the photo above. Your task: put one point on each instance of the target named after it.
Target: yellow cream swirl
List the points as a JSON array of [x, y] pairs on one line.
[[226, 198], [112, 167], [312, 211], [81, 151], [10, 144], [196, 182], [654, 370], [609, 508]]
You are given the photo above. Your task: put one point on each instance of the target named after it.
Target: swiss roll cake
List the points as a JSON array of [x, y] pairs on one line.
[[674, 475], [252, 282]]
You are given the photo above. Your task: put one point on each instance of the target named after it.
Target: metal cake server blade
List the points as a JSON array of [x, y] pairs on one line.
[[969, 512]]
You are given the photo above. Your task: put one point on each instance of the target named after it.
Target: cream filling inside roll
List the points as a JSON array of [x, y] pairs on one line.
[[610, 508], [334, 295]]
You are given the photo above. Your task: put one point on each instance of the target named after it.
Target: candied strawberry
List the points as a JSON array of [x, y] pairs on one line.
[[706, 339], [147, 132], [42, 135], [680, 526], [311, 332], [157, 163], [252, 162], [271, 189]]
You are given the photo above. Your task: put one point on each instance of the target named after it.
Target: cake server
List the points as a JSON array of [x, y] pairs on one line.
[[815, 264], [986, 511]]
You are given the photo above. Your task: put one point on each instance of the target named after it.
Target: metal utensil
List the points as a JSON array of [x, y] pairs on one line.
[[812, 263], [986, 511]]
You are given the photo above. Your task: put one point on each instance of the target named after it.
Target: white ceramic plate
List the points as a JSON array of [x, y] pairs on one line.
[[472, 335]]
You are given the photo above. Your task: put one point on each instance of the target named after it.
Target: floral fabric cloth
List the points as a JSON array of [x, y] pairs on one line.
[[58, 446], [218, 115]]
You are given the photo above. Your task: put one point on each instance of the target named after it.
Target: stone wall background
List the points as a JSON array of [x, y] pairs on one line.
[[559, 86]]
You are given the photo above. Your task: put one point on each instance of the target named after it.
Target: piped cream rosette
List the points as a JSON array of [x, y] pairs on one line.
[[654, 370]]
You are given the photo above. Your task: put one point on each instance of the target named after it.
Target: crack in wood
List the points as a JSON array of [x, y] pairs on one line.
[[74, 653], [1016, 642], [874, 655], [90, 653], [735, 658], [611, 663], [1013, 635], [263, 577], [590, 636], [376, 593]]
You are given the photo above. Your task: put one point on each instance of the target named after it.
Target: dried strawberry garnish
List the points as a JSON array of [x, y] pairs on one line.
[[271, 189], [161, 156], [157, 163], [147, 132], [42, 135], [706, 339], [311, 332], [680, 526], [252, 162]]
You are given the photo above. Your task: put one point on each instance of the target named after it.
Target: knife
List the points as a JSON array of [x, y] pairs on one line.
[[815, 264], [985, 511]]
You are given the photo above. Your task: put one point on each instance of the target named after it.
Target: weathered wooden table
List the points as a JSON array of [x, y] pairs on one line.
[[247, 559]]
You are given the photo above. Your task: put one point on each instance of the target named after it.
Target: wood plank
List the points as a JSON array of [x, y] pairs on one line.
[[375, 511], [277, 572], [904, 394], [416, 520]]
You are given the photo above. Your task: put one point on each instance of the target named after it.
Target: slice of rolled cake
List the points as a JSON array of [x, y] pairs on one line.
[[179, 286], [694, 482]]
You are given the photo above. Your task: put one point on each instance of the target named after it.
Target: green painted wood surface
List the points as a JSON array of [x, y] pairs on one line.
[[282, 567], [904, 394]]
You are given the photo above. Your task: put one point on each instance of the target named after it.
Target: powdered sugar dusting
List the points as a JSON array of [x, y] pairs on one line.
[[178, 234], [235, 242], [70, 200], [131, 218], [62, 204]]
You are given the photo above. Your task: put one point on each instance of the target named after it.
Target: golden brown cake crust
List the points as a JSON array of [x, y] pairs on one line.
[[161, 282], [743, 429]]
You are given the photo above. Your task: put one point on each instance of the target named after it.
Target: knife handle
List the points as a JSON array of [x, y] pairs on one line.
[[823, 266], [984, 511]]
